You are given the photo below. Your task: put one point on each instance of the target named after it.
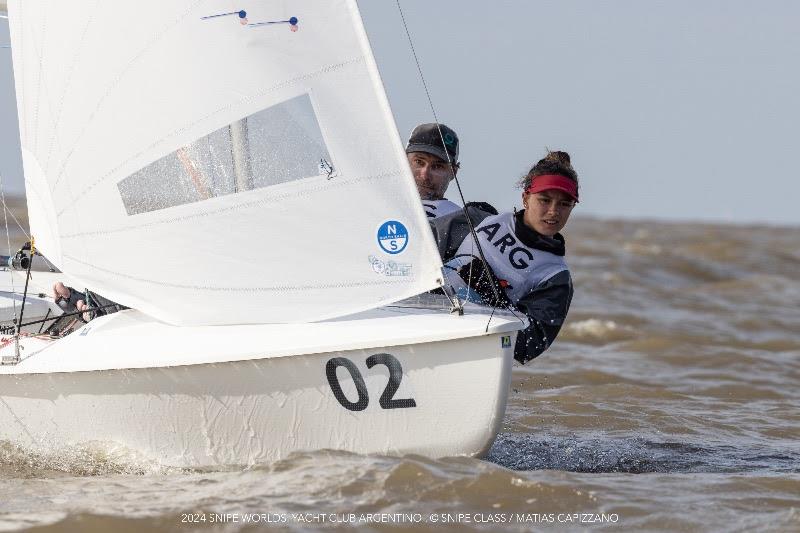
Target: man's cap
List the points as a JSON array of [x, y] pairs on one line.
[[427, 138]]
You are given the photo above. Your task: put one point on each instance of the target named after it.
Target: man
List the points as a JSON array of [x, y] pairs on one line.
[[71, 301], [432, 152]]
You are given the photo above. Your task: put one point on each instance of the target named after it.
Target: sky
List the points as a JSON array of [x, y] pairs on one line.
[[680, 110]]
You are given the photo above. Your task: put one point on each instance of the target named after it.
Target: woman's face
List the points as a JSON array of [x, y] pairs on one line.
[[547, 212]]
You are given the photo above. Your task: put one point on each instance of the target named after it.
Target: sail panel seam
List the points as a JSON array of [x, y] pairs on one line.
[[156, 37], [59, 108], [275, 288]]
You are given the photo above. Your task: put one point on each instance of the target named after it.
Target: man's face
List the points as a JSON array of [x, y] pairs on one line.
[[431, 174]]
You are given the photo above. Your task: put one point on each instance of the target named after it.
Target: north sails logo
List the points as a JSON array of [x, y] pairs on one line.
[[392, 237]]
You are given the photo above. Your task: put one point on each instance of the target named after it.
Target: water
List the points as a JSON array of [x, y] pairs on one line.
[[670, 402]]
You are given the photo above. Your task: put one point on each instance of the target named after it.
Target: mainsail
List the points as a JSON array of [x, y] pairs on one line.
[[206, 171]]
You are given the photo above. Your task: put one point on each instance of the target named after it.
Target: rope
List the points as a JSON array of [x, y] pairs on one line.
[[27, 279], [7, 330], [5, 341], [19, 225], [450, 161], [8, 242]]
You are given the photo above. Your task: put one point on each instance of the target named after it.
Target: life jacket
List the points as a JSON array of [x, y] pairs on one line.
[[439, 208], [520, 267]]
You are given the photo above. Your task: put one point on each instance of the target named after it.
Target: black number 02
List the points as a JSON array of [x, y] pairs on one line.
[[387, 399]]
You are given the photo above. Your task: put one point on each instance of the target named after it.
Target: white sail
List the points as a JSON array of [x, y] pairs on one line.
[[132, 119]]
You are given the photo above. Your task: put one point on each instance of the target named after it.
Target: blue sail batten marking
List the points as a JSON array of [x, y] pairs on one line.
[[242, 14], [269, 22], [292, 22]]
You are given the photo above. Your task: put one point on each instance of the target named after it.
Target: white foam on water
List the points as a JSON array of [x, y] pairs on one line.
[[596, 329], [86, 459]]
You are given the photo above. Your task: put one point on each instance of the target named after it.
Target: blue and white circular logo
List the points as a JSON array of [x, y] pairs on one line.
[[392, 237]]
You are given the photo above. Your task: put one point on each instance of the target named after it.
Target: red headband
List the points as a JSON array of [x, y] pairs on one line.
[[547, 182]]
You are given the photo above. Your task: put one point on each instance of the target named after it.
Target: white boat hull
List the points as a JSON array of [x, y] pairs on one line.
[[450, 396]]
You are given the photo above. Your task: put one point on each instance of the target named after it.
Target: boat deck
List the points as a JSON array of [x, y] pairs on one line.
[[130, 339]]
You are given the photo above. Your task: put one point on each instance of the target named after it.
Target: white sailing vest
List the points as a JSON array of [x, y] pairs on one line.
[[521, 267], [439, 208]]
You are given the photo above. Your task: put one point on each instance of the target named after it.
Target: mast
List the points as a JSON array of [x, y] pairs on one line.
[[240, 150]]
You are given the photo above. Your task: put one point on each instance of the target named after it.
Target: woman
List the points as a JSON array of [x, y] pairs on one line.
[[524, 251]]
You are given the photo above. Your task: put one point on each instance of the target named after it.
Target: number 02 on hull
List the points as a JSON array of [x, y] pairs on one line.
[[257, 402]]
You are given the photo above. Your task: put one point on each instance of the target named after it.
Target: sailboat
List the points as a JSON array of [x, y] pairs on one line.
[[233, 174]]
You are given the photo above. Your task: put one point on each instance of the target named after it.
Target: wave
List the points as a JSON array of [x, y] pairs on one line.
[[87, 459], [636, 456], [596, 331]]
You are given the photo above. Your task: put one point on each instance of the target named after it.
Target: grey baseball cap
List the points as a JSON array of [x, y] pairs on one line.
[[426, 138]]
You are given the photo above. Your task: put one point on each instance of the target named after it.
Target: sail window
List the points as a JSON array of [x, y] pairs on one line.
[[276, 145]]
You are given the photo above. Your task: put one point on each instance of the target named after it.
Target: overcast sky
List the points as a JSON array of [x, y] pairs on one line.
[[670, 109]]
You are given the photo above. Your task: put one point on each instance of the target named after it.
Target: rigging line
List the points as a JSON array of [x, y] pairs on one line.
[[8, 241], [43, 320], [5, 329], [20, 226], [25, 291], [456, 304], [494, 308], [451, 162], [8, 211]]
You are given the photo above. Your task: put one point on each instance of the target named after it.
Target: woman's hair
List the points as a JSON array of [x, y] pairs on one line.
[[554, 162]]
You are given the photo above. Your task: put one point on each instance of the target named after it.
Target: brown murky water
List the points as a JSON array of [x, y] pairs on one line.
[[670, 402]]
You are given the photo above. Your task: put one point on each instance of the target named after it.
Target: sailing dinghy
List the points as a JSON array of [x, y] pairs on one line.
[[241, 186]]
